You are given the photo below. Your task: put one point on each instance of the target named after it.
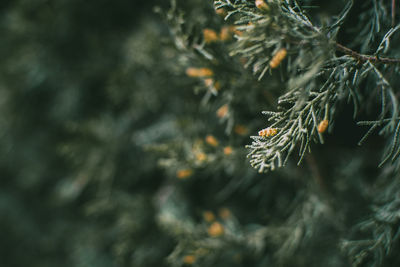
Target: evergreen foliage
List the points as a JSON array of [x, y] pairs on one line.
[[302, 62], [200, 133]]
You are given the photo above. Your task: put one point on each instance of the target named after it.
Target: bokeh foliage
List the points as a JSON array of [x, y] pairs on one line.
[[124, 128]]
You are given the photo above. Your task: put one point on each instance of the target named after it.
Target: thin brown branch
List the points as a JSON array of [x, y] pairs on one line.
[[393, 12], [364, 58]]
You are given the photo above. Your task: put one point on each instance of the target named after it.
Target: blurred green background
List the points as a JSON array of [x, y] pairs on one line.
[[86, 89], [77, 80]]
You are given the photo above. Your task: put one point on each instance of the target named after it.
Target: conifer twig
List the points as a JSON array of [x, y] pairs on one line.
[[393, 12], [363, 58]]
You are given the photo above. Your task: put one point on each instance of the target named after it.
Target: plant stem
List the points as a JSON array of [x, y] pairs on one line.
[[363, 58], [393, 12]]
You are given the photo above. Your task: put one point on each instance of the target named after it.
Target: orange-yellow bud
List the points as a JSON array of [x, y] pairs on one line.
[[323, 125], [267, 132], [222, 111], [210, 35], [226, 33], [189, 259], [199, 72], [200, 156], [216, 229], [228, 150], [277, 58], [221, 11], [211, 140], [184, 173], [260, 4]]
